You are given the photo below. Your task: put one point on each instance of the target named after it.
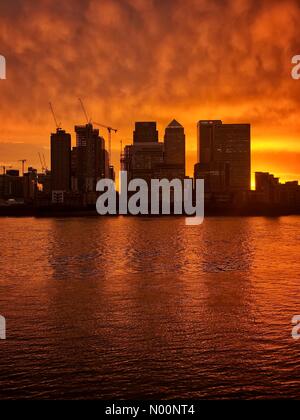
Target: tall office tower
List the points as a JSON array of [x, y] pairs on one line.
[[142, 158], [224, 156], [174, 149], [206, 131], [60, 161], [145, 132], [90, 165]]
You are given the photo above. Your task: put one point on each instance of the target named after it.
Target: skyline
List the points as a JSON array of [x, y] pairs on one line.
[[79, 175], [18, 149], [157, 66], [15, 152]]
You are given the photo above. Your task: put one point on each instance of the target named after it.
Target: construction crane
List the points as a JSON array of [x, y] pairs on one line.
[[43, 163], [110, 131], [58, 125], [88, 120], [23, 161]]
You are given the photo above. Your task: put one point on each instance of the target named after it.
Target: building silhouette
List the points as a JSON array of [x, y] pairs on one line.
[[145, 132], [148, 158], [11, 185], [224, 164], [145, 154], [174, 151], [90, 158], [269, 191], [60, 163], [30, 181], [224, 156]]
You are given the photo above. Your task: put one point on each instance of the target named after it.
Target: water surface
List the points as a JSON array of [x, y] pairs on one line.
[[149, 308]]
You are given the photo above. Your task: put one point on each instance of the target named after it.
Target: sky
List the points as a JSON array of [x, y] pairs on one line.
[[151, 60]]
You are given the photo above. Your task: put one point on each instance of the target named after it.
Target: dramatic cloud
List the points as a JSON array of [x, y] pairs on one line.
[[153, 60]]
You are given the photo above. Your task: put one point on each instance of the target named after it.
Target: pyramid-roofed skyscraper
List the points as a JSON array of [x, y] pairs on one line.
[[175, 145]]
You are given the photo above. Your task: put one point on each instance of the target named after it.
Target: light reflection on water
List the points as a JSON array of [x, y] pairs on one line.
[[149, 308]]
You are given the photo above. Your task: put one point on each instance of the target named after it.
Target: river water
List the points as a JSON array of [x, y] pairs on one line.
[[149, 308]]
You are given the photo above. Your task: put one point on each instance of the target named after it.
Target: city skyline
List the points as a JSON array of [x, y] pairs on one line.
[[15, 152], [73, 140], [223, 164], [275, 160], [188, 73]]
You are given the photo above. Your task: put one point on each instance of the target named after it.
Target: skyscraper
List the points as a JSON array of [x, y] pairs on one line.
[[150, 159], [60, 161], [145, 132], [142, 158], [224, 152], [206, 132], [174, 146], [90, 158]]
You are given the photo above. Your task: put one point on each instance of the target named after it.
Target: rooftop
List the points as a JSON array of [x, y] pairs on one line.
[[175, 124]]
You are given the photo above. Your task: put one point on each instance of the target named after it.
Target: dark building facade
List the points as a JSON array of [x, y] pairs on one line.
[[145, 132], [224, 154], [174, 151], [146, 153], [11, 185], [75, 172], [150, 159], [140, 160], [30, 180], [88, 160], [60, 161], [271, 192]]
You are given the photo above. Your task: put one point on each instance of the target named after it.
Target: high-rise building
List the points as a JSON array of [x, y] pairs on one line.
[[60, 161], [206, 132], [145, 132], [224, 153], [90, 158], [174, 150], [146, 153], [142, 159], [150, 159]]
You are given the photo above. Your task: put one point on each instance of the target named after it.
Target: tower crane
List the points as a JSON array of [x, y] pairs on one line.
[[108, 128], [58, 125], [43, 163], [88, 120], [110, 131]]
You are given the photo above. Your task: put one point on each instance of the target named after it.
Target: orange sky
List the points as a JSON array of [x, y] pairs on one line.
[[152, 60]]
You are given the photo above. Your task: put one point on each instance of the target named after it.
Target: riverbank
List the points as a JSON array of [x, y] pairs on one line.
[[63, 211]]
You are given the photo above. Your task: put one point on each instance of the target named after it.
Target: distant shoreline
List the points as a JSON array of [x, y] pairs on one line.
[[50, 212]]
